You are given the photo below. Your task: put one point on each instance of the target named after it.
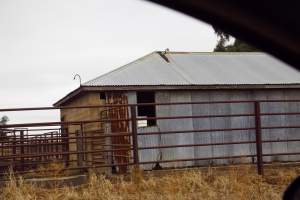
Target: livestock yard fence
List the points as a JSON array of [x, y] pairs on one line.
[[220, 133]]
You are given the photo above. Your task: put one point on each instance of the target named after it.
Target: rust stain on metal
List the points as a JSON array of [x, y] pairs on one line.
[[119, 126]]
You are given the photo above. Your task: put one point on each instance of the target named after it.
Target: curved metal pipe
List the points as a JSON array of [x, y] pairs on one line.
[[79, 77]]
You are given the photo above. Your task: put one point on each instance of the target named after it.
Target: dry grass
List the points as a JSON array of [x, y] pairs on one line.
[[53, 169], [236, 183]]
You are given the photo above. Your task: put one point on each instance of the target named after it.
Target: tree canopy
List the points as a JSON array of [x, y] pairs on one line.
[[237, 45], [3, 120]]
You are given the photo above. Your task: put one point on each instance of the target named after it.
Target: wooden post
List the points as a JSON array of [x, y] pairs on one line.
[[83, 142], [79, 148], [134, 136], [260, 168]]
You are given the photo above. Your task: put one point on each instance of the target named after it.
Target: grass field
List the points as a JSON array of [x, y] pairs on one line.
[[234, 183]]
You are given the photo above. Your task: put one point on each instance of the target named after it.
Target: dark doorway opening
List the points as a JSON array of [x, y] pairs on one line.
[[146, 111]]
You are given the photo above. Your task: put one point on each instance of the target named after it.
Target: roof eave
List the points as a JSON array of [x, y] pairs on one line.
[[197, 87], [81, 89], [69, 96]]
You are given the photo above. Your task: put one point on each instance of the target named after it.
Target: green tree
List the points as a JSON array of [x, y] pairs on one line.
[[4, 119], [237, 45]]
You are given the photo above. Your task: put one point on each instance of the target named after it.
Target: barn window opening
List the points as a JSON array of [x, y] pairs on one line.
[[146, 111], [102, 96]]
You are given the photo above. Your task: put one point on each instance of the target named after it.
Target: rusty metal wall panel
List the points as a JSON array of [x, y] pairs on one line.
[[121, 156]]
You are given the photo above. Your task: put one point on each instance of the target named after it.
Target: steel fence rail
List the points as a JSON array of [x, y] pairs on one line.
[[146, 104], [24, 148]]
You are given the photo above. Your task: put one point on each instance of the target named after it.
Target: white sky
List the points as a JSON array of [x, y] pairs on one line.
[[43, 43]]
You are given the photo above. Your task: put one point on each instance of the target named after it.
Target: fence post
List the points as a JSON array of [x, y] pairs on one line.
[[134, 136], [259, 157], [45, 147], [14, 150], [79, 148], [22, 149]]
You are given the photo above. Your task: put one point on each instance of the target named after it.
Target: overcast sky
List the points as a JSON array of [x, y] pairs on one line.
[[43, 43]]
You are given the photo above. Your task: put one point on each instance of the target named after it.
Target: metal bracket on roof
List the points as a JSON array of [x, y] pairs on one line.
[[163, 55]]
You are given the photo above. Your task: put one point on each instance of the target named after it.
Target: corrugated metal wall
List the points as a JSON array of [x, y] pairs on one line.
[[215, 123], [175, 125]]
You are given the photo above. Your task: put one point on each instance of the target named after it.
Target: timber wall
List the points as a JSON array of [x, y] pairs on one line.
[[87, 99]]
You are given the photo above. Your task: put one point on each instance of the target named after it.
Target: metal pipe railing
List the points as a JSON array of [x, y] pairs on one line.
[[20, 148]]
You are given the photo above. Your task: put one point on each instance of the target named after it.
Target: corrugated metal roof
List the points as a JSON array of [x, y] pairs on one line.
[[195, 68]]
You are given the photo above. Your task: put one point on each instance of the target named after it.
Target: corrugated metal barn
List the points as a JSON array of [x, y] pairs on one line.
[[169, 77]]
